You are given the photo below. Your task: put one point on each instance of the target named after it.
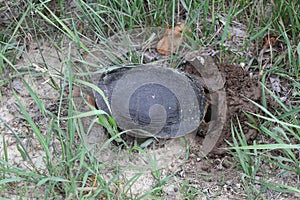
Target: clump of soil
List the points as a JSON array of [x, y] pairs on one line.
[[238, 86]]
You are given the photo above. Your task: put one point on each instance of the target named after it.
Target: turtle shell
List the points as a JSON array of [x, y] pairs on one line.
[[150, 100]]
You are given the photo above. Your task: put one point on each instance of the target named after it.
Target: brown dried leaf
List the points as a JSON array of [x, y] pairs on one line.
[[270, 40], [91, 101], [164, 46]]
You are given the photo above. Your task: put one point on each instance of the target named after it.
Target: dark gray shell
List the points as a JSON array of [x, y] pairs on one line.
[[151, 100]]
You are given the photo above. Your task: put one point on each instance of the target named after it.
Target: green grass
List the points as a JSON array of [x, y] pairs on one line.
[[64, 167], [281, 126]]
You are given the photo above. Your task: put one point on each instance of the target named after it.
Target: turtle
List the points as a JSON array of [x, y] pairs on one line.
[[142, 42], [149, 100]]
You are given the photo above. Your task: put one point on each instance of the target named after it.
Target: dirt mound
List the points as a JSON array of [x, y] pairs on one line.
[[238, 86]]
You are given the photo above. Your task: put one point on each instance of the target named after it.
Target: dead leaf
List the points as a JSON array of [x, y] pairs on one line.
[[164, 46], [91, 101], [270, 40]]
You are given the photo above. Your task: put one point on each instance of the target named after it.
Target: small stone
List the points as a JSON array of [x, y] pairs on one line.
[[181, 173], [192, 155], [205, 168], [228, 182], [19, 87]]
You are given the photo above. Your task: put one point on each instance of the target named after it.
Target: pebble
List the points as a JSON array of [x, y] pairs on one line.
[[19, 87]]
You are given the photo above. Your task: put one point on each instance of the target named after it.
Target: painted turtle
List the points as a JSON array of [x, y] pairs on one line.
[[149, 100]]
